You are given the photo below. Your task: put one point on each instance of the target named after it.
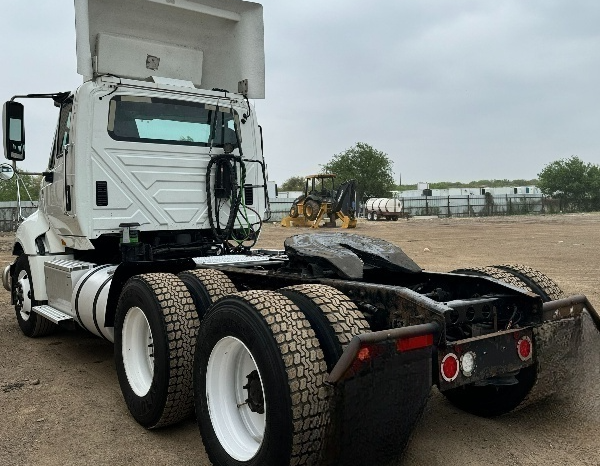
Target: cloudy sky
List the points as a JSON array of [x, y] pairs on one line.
[[459, 90]]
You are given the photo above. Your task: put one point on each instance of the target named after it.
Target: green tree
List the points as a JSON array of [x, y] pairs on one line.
[[295, 183], [8, 189], [372, 170], [574, 181]]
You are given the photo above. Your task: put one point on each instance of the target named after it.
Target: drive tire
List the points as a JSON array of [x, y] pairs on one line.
[[206, 286], [311, 210], [155, 336], [31, 323], [294, 211], [538, 282], [491, 400], [334, 318], [265, 333]]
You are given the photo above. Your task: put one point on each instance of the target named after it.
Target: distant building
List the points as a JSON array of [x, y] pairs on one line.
[[500, 191]]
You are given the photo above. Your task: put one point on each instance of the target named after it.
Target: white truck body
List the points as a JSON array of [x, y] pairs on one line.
[[137, 55]]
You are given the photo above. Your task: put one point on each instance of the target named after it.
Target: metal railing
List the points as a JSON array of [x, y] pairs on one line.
[[478, 205], [9, 214]]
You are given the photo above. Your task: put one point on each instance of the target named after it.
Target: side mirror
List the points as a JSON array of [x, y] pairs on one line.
[[6, 172], [14, 130]]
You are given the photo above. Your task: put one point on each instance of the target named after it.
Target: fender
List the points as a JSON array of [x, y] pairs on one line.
[[33, 227]]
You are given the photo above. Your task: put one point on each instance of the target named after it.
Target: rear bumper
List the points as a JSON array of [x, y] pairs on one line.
[[554, 346]]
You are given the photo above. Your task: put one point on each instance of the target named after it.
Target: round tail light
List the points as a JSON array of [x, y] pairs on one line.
[[449, 367], [525, 348]]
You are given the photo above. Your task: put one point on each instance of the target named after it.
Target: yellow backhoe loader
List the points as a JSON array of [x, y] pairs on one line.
[[322, 202]]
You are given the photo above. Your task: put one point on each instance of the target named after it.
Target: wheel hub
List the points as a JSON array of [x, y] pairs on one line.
[[255, 400], [22, 295], [19, 298]]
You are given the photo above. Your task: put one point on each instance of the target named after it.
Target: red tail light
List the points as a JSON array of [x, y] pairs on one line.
[[525, 348], [413, 343], [365, 354], [449, 367]]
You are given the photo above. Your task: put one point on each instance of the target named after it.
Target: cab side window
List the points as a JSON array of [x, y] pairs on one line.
[[61, 138]]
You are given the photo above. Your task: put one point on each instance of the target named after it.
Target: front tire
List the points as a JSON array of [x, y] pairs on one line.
[[31, 324], [311, 210], [155, 337], [259, 382]]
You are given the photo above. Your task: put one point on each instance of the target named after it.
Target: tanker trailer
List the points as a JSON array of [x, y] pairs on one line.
[[377, 208]]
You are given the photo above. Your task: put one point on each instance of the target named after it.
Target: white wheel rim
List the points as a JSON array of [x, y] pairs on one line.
[[138, 351], [239, 429], [23, 281]]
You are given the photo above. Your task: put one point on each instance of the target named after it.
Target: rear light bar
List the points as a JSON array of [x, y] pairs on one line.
[[363, 348], [412, 343]]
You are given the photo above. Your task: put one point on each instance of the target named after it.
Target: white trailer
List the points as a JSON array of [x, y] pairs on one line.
[[319, 354]]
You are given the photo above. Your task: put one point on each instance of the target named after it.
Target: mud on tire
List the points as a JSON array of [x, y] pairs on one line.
[[259, 382], [155, 337]]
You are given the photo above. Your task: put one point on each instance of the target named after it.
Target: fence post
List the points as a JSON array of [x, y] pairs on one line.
[[543, 203], [468, 205]]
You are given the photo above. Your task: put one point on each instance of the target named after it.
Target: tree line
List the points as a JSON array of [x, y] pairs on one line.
[[574, 183], [28, 183]]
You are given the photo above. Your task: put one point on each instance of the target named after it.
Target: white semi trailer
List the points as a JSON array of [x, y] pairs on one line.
[[322, 353]]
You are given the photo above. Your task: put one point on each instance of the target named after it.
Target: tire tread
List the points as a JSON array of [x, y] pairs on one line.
[[305, 367], [526, 273], [181, 327]]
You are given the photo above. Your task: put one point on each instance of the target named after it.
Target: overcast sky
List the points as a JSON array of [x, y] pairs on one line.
[[460, 90]]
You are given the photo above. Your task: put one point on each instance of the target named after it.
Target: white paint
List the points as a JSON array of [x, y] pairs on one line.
[[239, 430], [138, 351], [214, 44]]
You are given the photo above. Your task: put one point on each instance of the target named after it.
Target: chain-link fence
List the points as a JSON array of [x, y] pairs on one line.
[[478, 205], [9, 214]]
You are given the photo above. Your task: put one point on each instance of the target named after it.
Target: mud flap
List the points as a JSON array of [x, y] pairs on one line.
[[557, 345], [376, 408]]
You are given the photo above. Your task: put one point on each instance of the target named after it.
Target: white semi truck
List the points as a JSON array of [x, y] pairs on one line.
[[322, 353]]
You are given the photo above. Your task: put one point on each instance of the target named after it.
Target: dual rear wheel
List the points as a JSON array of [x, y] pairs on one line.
[[260, 367], [494, 400], [260, 359]]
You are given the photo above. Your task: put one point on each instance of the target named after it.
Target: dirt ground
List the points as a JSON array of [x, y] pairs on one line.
[[60, 402]]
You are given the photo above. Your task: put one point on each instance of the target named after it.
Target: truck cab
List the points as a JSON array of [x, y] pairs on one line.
[[160, 142]]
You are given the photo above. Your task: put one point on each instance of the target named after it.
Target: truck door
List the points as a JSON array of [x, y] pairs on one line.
[[56, 199]]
